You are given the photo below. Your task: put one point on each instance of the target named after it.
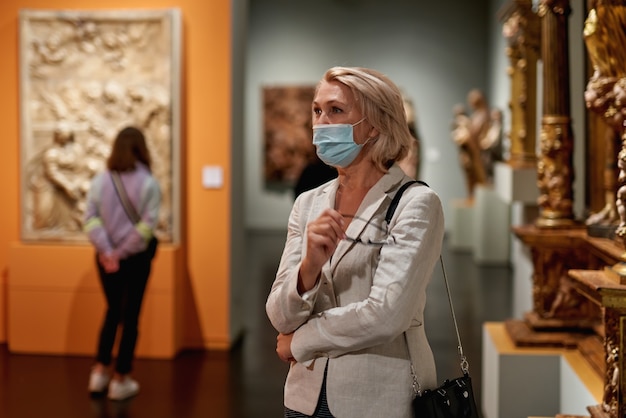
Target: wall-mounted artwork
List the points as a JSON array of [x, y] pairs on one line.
[[287, 133], [85, 75]]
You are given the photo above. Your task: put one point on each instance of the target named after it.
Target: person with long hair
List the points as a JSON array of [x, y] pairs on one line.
[[349, 294], [123, 258]]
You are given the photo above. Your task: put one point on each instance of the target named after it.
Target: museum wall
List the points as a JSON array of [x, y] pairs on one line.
[[191, 279], [239, 268], [435, 51]]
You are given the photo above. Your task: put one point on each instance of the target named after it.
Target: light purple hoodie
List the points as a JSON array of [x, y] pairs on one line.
[[108, 226]]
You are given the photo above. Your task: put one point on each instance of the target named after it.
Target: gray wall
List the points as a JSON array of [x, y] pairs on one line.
[[435, 51], [238, 258]]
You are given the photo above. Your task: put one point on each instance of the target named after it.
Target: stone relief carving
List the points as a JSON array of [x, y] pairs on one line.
[[84, 76]]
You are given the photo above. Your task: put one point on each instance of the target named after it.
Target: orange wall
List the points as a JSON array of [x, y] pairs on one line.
[[206, 136]]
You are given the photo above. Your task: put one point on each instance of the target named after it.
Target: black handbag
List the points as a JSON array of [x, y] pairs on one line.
[[454, 398], [131, 212]]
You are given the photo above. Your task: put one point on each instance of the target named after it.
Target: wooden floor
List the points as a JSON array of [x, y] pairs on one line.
[[247, 381]]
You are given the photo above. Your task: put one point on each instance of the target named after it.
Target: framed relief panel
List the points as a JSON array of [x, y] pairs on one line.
[[287, 134], [84, 76]]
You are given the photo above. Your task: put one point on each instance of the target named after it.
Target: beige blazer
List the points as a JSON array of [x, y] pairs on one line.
[[367, 296]]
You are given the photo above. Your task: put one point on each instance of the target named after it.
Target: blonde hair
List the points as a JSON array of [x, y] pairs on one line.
[[381, 102]]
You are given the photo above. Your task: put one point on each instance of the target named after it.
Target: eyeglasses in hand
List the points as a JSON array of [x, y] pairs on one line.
[[358, 240]]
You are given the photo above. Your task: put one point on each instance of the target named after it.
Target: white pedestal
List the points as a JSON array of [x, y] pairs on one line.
[[516, 184], [461, 233], [518, 187], [492, 234], [521, 260], [519, 382]]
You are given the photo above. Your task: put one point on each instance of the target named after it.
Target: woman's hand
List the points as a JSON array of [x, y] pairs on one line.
[[109, 262], [283, 347], [323, 235]]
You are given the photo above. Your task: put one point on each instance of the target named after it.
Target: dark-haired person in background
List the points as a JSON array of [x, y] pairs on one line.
[[122, 257]]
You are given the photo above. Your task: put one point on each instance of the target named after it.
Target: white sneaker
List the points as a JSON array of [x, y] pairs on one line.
[[120, 390], [98, 381]]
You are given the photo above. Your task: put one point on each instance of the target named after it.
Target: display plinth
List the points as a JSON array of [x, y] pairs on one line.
[[571, 416], [56, 305], [492, 220], [482, 226], [538, 381], [462, 225], [516, 184], [523, 335]]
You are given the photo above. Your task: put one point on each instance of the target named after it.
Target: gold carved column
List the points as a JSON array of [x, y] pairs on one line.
[[522, 30], [555, 166]]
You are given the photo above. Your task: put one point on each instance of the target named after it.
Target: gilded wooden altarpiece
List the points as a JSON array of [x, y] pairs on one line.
[[592, 296], [85, 75]]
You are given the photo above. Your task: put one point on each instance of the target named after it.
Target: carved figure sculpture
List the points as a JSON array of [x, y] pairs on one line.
[[61, 190], [478, 136]]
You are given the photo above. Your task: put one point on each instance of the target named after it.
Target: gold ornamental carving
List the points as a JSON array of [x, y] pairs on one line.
[[612, 326], [522, 31], [605, 38], [553, 296], [555, 174], [557, 305], [601, 288]]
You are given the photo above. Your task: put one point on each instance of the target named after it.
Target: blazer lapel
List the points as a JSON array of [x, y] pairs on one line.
[[379, 195]]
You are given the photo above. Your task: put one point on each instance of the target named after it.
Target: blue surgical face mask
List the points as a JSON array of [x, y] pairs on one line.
[[335, 143]]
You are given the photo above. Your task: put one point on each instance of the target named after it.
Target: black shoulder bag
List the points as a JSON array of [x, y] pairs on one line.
[[454, 398], [131, 212]]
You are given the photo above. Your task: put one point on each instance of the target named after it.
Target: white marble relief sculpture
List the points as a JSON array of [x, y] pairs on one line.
[[84, 76]]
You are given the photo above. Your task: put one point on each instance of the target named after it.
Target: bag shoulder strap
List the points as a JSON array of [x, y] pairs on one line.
[[396, 199], [131, 212], [464, 363]]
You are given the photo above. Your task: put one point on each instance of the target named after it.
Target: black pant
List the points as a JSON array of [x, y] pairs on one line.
[[124, 292]]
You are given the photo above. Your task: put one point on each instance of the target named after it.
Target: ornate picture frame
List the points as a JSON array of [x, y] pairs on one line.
[[84, 76]]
